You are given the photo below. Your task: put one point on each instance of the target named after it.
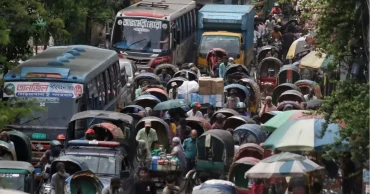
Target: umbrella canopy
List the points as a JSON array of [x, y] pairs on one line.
[[172, 104], [297, 47], [281, 118], [312, 60], [307, 135], [282, 165], [268, 115]]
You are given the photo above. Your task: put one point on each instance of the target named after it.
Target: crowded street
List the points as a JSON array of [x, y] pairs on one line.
[[184, 97]]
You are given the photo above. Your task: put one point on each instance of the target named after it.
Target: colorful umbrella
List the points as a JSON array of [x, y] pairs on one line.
[[282, 165], [268, 115], [172, 104], [281, 118], [302, 135], [297, 46], [312, 60]]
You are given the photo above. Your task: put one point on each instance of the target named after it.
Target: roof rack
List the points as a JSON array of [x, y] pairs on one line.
[[156, 5]]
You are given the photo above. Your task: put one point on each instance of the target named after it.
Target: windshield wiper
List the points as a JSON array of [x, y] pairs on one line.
[[133, 44], [33, 119]]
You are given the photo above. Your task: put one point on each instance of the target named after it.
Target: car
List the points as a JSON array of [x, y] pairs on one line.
[[128, 68]]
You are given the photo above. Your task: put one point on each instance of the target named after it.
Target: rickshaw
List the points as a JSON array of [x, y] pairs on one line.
[[236, 121], [288, 74], [249, 133], [157, 92], [107, 132], [171, 69], [242, 91], [268, 70], [249, 150], [83, 182], [236, 72], [306, 85], [161, 127], [291, 95], [199, 124], [281, 89], [22, 145], [17, 175], [178, 80], [264, 50], [133, 110], [220, 53], [268, 115], [151, 78], [147, 100], [9, 152], [71, 164], [226, 111], [217, 187], [255, 97], [237, 171], [190, 75], [295, 105]]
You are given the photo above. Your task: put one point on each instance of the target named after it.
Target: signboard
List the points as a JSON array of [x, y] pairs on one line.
[[43, 89], [142, 23], [220, 37], [221, 21]]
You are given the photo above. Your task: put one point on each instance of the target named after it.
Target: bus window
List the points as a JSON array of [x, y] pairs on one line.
[[93, 95], [194, 21], [118, 75], [183, 30], [109, 95], [113, 79], [101, 91], [187, 22], [179, 29], [191, 23]]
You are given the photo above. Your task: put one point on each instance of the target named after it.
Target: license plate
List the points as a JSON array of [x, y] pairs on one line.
[[38, 135]]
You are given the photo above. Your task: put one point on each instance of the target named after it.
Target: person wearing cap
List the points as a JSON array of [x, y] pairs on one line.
[[90, 135], [268, 106], [178, 151], [167, 119], [232, 100], [148, 134], [220, 118], [194, 112], [210, 112], [140, 88], [231, 60], [174, 91]]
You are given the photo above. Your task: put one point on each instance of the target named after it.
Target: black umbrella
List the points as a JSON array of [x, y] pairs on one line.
[[314, 104]]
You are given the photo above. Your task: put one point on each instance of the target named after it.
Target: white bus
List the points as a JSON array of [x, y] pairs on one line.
[[155, 32]]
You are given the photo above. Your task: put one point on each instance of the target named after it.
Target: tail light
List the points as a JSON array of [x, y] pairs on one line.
[[159, 60]]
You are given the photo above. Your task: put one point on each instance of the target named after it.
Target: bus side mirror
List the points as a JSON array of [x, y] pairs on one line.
[[242, 46]]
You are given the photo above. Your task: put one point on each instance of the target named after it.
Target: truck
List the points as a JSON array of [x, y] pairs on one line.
[[227, 27]]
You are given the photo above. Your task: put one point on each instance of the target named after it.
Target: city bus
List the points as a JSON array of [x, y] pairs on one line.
[[64, 80], [156, 31]]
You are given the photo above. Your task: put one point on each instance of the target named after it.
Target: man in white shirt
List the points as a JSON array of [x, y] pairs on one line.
[[261, 33], [310, 95], [270, 24], [194, 112]]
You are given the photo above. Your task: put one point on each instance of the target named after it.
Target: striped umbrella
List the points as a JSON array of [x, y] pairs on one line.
[[278, 120], [282, 165], [302, 135]]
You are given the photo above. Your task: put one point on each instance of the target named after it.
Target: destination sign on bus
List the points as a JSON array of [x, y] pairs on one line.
[[43, 89], [222, 21], [142, 23]]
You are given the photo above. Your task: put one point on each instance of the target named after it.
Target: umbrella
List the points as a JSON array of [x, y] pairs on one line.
[[268, 115], [312, 60], [297, 47], [282, 165], [281, 118], [302, 135], [172, 104], [314, 104]]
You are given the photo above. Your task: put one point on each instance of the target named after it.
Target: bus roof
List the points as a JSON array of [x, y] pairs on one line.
[[158, 8], [85, 63], [218, 8]]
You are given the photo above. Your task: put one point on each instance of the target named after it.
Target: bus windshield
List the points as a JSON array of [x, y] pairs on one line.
[[231, 44], [144, 35], [57, 101]]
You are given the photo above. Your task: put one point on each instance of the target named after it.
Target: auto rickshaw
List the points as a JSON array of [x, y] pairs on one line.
[[171, 69], [291, 95], [199, 124], [178, 80], [249, 133], [226, 111], [17, 175], [8, 153], [236, 121], [161, 127], [306, 85], [190, 75], [22, 145], [295, 105], [147, 100], [83, 182], [265, 50], [255, 97], [242, 91], [161, 94], [268, 70], [281, 89], [236, 72], [237, 171], [288, 74]]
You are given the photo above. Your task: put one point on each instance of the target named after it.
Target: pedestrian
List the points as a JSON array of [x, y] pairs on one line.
[[276, 35], [270, 24], [140, 88], [178, 152], [171, 187], [164, 77], [231, 60], [144, 155], [223, 65], [258, 187], [232, 100], [90, 135], [268, 106], [4, 136], [210, 112], [149, 135], [288, 39], [61, 138], [190, 147], [220, 118], [167, 119], [216, 68], [261, 33], [203, 177], [194, 112], [57, 182], [299, 185], [144, 185], [114, 187], [316, 188], [310, 95], [348, 168], [182, 131], [174, 91]]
